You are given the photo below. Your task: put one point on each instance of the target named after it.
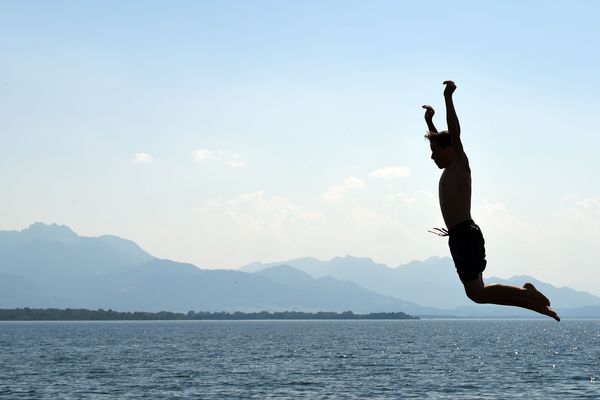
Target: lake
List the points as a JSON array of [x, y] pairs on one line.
[[424, 359]]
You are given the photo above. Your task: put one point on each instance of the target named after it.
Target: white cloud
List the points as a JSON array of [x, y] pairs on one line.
[[498, 216], [419, 197], [254, 226], [390, 227], [203, 155], [338, 192], [144, 158], [560, 249], [390, 172], [582, 212], [230, 159]]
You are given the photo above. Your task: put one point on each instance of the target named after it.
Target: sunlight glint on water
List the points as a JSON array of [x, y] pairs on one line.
[[310, 359]]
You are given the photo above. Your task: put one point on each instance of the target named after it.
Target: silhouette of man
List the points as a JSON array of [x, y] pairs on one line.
[[465, 238]]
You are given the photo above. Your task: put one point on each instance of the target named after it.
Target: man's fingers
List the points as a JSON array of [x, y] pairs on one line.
[[450, 83]]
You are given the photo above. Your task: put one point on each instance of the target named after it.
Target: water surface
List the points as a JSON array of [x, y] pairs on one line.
[[492, 359]]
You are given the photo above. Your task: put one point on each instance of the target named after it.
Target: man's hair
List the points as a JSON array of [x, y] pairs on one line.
[[442, 138]]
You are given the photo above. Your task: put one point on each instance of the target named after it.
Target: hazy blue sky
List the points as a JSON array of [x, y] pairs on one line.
[[226, 132]]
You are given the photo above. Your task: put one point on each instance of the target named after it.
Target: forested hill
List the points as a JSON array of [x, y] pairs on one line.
[[70, 314]]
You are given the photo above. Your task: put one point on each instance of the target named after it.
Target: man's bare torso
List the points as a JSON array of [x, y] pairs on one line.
[[455, 192]]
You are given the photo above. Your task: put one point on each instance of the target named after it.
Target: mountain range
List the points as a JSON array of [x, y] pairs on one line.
[[432, 282], [51, 266]]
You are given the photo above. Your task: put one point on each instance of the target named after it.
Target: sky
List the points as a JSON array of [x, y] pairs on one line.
[[222, 133]]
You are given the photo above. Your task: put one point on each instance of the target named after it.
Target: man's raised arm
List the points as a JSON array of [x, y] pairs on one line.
[[429, 112], [452, 118]]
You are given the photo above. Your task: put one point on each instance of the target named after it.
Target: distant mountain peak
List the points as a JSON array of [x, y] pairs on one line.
[[285, 274], [434, 259], [349, 257], [40, 230]]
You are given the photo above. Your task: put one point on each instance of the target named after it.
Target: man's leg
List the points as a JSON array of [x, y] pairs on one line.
[[525, 297]]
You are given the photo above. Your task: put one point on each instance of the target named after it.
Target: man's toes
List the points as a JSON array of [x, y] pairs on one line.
[[554, 315]]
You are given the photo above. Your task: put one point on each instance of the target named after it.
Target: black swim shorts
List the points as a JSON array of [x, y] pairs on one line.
[[468, 250]]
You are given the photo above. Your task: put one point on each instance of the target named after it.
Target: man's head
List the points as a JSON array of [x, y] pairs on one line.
[[442, 151]]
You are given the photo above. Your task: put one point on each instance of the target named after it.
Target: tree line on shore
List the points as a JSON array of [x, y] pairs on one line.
[[80, 314]]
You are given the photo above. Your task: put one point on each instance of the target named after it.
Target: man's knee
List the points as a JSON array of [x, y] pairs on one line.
[[475, 294], [475, 290]]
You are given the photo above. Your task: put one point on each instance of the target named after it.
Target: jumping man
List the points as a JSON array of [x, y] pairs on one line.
[[465, 238]]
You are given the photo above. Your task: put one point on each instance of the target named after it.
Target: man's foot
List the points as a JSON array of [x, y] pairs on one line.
[[549, 312], [537, 295]]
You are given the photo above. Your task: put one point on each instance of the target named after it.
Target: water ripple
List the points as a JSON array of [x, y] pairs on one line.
[[300, 359]]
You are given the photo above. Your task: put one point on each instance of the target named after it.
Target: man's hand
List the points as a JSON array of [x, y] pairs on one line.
[[429, 112], [450, 88]]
